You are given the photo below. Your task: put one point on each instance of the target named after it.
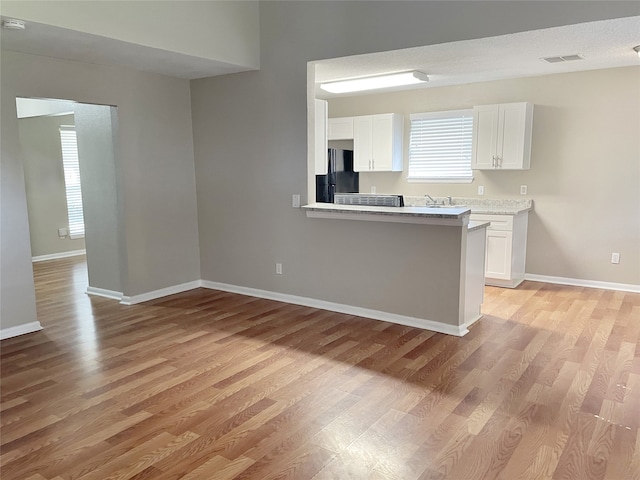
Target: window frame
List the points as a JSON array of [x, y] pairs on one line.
[[467, 114], [72, 181]]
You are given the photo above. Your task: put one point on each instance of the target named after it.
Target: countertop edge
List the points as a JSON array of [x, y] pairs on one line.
[[421, 215], [476, 225]]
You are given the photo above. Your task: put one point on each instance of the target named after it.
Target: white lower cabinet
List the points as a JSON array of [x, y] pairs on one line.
[[506, 248], [498, 255]]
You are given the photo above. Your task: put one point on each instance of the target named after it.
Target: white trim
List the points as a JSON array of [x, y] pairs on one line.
[[55, 256], [163, 292], [102, 292], [341, 308], [20, 330], [577, 282]]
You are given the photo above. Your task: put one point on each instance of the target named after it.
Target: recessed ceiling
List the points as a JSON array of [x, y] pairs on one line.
[[56, 42], [602, 44]]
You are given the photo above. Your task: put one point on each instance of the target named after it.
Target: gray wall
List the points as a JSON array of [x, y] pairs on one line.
[[44, 181], [155, 173], [584, 161], [17, 292], [96, 126], [250, 140]]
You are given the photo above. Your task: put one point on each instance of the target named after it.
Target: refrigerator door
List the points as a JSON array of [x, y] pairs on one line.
[[331, 193], [333, 166], [322, 189]]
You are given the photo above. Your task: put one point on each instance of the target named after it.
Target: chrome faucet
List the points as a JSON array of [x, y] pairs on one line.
[[433, 202], [450, 200]]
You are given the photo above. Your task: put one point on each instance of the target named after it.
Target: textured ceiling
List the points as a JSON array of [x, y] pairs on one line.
[[602, 44]]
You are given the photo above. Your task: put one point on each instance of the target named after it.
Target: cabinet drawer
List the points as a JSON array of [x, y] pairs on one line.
[[497, 222]]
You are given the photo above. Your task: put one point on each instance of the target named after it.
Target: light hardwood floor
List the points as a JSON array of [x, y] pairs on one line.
[[212, 385]]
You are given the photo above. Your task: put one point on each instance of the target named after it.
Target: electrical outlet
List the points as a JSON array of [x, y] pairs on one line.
[[480, 190], [523, 189], [373, 189], [63, 232], [295, 201], [615, 257], [278, 269]]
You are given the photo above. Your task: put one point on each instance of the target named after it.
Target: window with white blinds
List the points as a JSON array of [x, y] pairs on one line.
[[440, 147], [71, 167]]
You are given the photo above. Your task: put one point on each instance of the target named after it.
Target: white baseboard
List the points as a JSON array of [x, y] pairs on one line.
[[341, 308], [163, 292], [55, 256], [576, 282], [101, 292], [20, 330]]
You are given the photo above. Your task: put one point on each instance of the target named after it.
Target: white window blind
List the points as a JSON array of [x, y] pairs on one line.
[[440, 146], [71, 167]]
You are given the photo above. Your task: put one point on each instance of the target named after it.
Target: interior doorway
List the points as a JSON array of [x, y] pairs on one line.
[[62, 196]]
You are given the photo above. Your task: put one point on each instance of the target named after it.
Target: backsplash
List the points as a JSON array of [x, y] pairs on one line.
[[421, 200]]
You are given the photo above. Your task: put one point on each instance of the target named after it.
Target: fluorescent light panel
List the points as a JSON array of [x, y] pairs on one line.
[[375, 82]]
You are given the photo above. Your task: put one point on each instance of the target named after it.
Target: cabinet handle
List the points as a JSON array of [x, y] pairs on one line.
[[373, 164], [493, 162]]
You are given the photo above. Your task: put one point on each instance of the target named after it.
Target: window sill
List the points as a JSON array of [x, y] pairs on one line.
[[439, 180]]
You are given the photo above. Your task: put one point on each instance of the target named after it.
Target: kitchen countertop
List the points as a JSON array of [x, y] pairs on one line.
[[475, 225], [480, 205], [408, 214]]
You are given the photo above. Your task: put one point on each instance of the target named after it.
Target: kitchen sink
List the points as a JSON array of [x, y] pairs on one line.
[[447, 206]]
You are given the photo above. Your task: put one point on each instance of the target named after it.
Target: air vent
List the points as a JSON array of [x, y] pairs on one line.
[[563, 58], [377, 200]]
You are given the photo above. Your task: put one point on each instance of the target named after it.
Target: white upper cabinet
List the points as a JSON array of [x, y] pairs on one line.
[[321, 145], [377, 143], [340, 128], [502, 136]]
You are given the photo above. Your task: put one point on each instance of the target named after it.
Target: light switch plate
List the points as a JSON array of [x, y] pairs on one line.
[[295, 201], [480, 190]]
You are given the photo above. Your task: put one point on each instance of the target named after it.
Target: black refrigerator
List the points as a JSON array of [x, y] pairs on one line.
[[340, 177]]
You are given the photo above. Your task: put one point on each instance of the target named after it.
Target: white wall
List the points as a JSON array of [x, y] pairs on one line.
[[226, 31], [250, 140], [585, 169], [154, 175]]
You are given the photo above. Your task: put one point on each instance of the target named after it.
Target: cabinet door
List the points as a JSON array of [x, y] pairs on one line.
[[362, 143], [341, 128], [382, 143], [321, 146], [514, 136], [485, 136], [498, 259]]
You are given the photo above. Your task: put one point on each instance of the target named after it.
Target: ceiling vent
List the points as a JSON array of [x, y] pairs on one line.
[[563, 58]]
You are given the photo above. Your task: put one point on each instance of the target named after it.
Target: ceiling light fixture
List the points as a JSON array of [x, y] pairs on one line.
[[637, 50], [375, 82], [11, 24]]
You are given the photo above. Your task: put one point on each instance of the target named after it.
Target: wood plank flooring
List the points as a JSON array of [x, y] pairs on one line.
[[212, 385]]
